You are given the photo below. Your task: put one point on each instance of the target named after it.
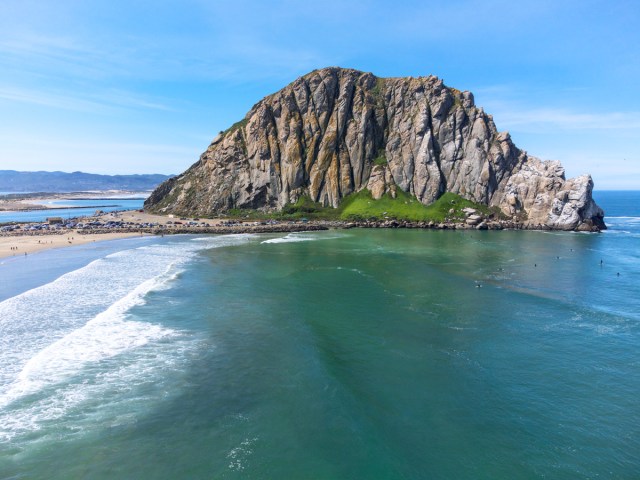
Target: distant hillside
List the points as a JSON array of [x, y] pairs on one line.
[[14, 181]]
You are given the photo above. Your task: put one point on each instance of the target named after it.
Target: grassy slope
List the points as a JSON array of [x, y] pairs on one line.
[[361, 206], [405, 207]]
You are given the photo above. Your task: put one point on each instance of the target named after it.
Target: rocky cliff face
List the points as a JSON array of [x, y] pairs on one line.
[[336, 131]]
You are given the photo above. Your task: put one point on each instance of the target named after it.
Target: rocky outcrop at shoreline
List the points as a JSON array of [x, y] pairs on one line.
[[337, 131], [286, 227]]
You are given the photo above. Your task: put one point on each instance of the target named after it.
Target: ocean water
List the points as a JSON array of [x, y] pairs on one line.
[[81, 208], [373, 354]]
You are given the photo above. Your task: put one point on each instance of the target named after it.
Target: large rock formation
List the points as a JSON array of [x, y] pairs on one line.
[[336, 131]]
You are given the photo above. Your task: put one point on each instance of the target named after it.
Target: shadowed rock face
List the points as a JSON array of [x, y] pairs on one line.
[[336, 131]]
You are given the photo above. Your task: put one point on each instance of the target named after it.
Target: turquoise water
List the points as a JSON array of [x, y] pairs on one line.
[[374, 354], [81, 208]]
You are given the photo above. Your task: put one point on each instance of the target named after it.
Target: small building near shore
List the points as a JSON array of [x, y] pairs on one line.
[[55, 220]]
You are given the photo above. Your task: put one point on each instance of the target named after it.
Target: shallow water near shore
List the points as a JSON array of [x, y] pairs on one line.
[[77, 208], [330, 355]]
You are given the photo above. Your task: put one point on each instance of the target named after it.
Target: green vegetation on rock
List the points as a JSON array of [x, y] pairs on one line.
[[378, 92], [381, 160], [361, 206], [240, 124], [304, 207]]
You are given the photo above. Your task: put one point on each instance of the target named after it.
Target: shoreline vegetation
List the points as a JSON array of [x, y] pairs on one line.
[[449, 212]]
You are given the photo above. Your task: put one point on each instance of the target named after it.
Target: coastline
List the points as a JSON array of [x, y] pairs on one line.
[[135, 223], [28, 202], [19, 245], [29, 242]]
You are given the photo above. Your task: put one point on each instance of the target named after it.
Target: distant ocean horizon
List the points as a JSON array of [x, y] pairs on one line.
[[377, 354]]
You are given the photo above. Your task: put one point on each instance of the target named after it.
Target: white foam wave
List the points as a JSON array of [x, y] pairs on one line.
[[107, 335], [40, 317], [102, 397], [291, 237], [238, 455], [57, 341], [300, 237], [224, 240]]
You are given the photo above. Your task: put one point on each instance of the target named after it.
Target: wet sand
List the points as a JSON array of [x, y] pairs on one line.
[[16, 245]]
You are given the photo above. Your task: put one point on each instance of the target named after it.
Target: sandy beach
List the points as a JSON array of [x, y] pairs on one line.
[[17, 245]]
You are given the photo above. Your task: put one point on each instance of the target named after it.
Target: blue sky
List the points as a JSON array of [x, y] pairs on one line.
[[144, 86]]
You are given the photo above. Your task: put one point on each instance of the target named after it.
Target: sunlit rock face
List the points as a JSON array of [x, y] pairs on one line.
[[336, 131]]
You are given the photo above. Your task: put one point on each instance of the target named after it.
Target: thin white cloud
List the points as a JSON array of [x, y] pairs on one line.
[[44, 47], [95, 146], [102, 102], [552, 118], [129, 100], [532, 110], [61, 57], [49, 100]]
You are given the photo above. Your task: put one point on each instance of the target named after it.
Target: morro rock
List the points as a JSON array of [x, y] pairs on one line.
[[337, 131]]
